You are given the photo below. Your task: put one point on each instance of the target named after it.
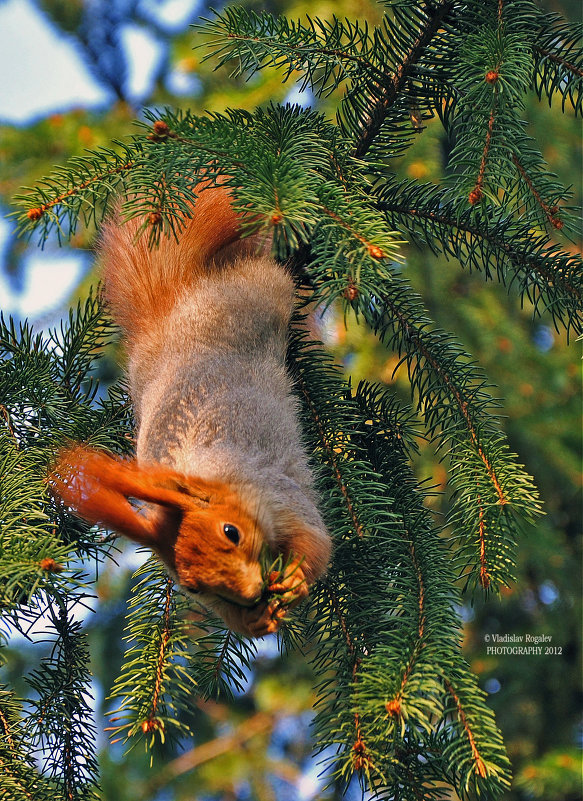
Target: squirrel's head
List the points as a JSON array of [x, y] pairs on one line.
[[217, 547], [208, 535]]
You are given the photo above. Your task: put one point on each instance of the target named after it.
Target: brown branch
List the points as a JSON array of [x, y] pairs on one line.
[[35, 214], [396, 82], [491, 77], [257, 724], [480, 767], [549, 212], [484, 574], [374, 250], [476, 194], [559, 60], [69, 783], [393, 706], [441, 219], [360, 756], [421, 585], [349, 642], [151, 722]]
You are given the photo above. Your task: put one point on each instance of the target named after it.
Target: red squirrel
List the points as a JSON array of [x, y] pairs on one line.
[[219, 459]]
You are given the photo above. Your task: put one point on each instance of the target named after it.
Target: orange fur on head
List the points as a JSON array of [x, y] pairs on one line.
[[185, 527]]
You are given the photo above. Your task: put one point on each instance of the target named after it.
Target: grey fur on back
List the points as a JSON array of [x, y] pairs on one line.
[[216, 401]]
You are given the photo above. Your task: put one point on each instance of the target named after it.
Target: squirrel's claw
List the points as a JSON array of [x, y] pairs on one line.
[[292, 585], [264, 618]]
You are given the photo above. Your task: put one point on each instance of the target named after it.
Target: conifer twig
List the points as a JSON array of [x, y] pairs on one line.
[[480, 767], [559, 60], [150, 722], [391, 88], [462, 402], [550, 213], [483, 233], [476, 194], [37, 212]]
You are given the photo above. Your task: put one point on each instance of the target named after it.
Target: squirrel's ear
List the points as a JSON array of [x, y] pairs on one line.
[[98, 486]]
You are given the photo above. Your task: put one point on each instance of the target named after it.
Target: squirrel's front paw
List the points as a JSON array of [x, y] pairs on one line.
[[291, 585], [264, 618]]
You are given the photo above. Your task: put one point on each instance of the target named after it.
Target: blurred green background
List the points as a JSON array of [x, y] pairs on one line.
[[257, 744]]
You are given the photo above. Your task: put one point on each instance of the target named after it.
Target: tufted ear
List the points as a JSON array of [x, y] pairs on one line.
[[98, 486]]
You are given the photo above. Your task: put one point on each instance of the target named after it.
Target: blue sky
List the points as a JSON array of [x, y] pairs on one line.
[[46, 73]]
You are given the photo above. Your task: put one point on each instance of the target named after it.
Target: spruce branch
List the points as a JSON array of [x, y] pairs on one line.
[[325, 55], [326, 444], [480, 767], [538, 193], [325, 52], [434, 15], [331, 600], [435, 599], [84, 186], [489, 486], [19, 778], [492, 243], [60, 724], [545, 207], [477, 192], [380, 663], [490, 80], [33, 559], [155, 683], [558, 61], [456, 408], [221, 658], [473, 759]]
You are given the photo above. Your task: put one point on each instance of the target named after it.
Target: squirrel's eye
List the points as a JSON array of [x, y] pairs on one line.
[[232, 532]]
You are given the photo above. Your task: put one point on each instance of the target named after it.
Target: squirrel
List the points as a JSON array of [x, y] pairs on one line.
[[219, 460]]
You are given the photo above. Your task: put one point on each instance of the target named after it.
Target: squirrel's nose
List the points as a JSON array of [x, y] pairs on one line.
[[255, 584]]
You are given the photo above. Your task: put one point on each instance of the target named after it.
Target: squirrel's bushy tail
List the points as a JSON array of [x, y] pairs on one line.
[[143, 284]]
